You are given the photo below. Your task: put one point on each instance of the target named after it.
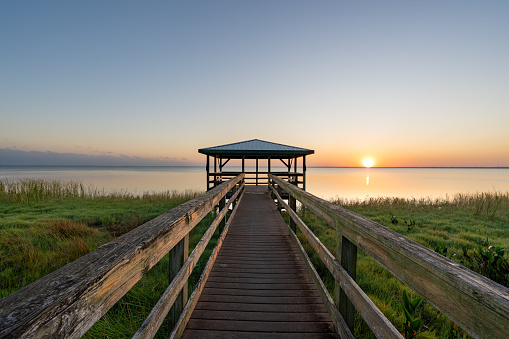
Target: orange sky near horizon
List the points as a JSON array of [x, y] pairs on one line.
[[347, 79]]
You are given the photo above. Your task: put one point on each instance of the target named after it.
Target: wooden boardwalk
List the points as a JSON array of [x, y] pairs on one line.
[[259, 286]]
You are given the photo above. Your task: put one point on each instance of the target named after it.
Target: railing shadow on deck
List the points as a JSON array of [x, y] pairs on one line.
[[477, 304], [68, 301]]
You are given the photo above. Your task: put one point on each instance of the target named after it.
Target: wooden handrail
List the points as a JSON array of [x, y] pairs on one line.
[[477, 304], [68, 301], [368, 310]]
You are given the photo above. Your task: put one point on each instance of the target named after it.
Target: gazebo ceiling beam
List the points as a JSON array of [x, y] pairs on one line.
[[221, 164]]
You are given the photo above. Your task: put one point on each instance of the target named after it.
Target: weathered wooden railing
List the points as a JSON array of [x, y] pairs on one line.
[[67, 302], [475, 303]]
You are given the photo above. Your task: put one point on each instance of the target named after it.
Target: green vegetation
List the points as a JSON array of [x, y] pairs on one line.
[[47, 224], [413, 324], [128, 314], [471, 229]]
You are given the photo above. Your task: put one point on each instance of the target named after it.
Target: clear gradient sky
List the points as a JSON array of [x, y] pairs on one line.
[[409, 83]]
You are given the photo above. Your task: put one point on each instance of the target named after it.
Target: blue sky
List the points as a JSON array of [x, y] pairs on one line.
[[408, 83]]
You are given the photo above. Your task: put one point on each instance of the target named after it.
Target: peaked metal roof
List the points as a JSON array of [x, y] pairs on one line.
[[255, 148]]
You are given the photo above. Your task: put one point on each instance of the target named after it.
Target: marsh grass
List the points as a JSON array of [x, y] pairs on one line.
[[458, 223], [47, 224]]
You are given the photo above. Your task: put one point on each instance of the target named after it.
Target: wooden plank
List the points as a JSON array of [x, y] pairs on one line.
[[208, 334], [259, 300], [477, 304], [262, 326], [347, 252], [154, 320], [239, 307], [267, 292], [178, 256], [222, 204], [339, 323], [230, 275], [292, 204], [67, 302], [375, 319], [260, 316], [188, 309], [257, 282]]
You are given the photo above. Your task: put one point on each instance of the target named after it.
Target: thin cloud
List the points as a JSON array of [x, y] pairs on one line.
[[16, 157]]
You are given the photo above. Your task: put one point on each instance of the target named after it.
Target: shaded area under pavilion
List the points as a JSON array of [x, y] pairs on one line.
[[256, 150]]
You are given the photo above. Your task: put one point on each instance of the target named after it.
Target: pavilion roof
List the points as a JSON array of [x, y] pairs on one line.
[[255, 149]]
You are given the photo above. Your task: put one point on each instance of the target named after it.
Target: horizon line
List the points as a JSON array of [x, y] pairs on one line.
[[382, 167]]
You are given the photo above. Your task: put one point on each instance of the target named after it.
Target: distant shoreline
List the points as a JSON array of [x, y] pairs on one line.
[[199, 166]]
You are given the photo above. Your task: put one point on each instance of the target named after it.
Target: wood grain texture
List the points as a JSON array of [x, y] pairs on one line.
[[67, 302], [339, 322], [477, 304], [189, 308], [259, 270], [375, 319], [154, 320]]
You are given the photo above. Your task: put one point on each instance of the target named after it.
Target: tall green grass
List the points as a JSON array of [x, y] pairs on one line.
[[460, 223], [47, 224]]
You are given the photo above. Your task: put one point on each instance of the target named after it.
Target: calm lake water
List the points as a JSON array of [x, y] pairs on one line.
[[351, 183]]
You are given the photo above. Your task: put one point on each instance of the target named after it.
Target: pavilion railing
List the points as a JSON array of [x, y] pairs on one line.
[[67, 302], [477, 304], [255, 178]]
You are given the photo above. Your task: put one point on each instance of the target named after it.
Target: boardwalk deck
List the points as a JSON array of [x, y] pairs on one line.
[[259, 285]]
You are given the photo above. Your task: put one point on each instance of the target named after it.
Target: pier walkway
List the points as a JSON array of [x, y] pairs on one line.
[[259, 285]]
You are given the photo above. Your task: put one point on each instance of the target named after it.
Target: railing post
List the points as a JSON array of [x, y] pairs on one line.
[[292, 202], [234, 202], [178, 256], [346, 254], [222, 204]]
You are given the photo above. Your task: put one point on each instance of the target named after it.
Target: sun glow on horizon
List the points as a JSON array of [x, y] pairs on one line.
[[368, 162]]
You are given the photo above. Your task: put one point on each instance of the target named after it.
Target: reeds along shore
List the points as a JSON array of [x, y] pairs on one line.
[[46, 224]]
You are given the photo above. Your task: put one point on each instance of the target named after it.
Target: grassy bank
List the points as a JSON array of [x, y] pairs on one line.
[[46, 224], [461, 227]]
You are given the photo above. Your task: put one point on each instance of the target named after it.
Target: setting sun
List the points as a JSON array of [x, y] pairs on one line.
[[368, 162]]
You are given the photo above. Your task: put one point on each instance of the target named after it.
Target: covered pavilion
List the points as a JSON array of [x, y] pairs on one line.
[[257, 150]]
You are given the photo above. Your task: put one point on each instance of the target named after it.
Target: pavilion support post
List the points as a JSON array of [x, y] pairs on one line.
[[215, 171], [304, 173], [220, 170], [346, 254], [178, 256], [289, 169], [256, 171], [243, 164], [208, 172], [295, 172]]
